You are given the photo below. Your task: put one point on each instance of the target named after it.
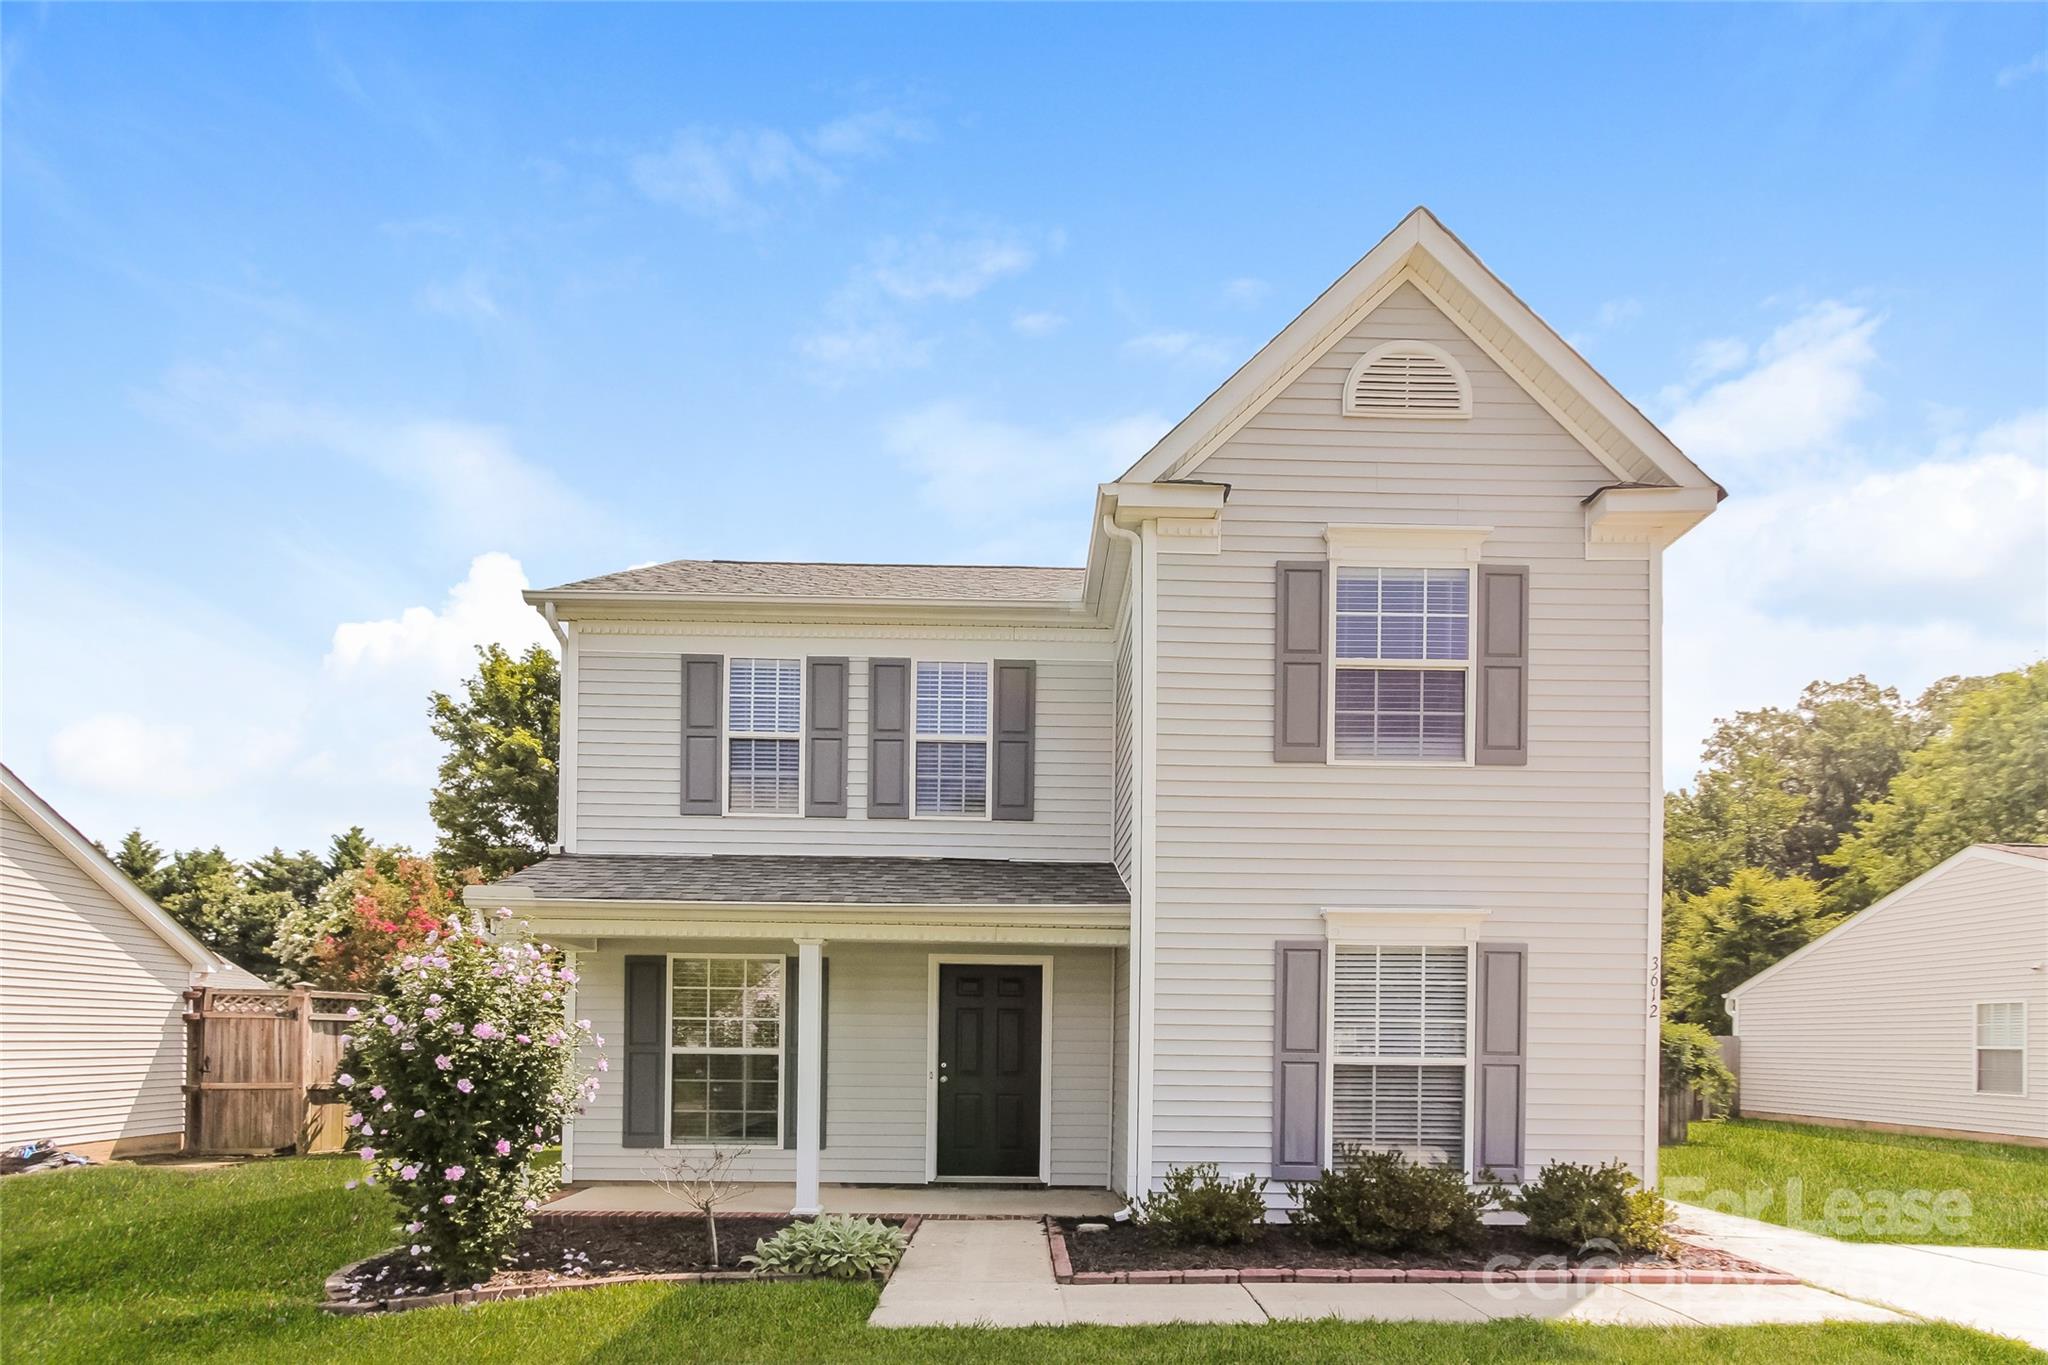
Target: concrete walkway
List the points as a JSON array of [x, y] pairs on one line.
[[999, 1274], [1993, 1289]]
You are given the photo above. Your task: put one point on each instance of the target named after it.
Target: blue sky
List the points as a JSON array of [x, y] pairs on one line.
[[327, 328]]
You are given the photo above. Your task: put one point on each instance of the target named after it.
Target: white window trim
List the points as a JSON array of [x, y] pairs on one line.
[[669, 1051], [1977, 1048], [987, 739], [1402, 929], [1465, 665], [1434, 352], [728, 735], [934, 961]]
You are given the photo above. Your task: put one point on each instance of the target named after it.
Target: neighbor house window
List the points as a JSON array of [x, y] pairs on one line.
[[725, 1050], [1399, 1046], [952, 739], [2002, 1048], [1404, 657], [763, 723]]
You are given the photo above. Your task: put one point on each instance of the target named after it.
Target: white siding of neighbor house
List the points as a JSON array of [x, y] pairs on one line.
[[628, 737], [1249, 850], [876, 1080], [1877, 1024], [92, 1043]]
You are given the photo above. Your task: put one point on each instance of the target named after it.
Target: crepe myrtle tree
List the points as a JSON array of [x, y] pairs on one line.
[[458, 1075]]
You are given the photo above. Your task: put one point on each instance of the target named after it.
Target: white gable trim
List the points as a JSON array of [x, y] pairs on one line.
[[1877, 908], [1363, 288], [41, 817]]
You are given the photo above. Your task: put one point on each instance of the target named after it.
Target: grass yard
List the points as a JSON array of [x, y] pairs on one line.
[[2007, 1186], [138, 1263]]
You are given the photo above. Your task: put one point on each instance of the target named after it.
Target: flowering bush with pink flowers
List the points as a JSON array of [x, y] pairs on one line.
[[457, 1076]]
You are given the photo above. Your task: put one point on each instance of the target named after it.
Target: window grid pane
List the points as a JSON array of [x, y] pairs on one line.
[[762, 775], [725, 1050], [952, 699], [1400, 1002], [1418, 1111], [2002, 1025], [765, 697], [952, 777], [1401, 713], [1404, 614]]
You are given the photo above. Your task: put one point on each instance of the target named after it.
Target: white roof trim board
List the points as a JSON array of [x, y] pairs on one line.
[[2026, 857], [63, 836]]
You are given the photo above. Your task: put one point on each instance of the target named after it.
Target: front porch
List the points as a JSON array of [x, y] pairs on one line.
[[944, 1201]]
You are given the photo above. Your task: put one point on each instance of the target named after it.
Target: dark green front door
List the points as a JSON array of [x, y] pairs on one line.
[[989, 1020]]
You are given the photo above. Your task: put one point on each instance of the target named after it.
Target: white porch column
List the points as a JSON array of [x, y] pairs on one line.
[[810, 1074]]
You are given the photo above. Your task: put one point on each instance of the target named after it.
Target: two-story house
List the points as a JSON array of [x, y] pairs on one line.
[[1322, 807]]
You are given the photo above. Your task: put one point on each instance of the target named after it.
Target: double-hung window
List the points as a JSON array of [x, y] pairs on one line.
[[1400, 1048], [1403, 664], [725, 1050], [2002, 1048], [764, 729], [952, 739]]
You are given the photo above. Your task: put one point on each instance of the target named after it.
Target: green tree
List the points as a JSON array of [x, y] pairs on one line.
[[1737, 816], [1727, 935], [347, 852], [495, 801], [140, 861], [1982, 779], [299, 875], [226, 913]]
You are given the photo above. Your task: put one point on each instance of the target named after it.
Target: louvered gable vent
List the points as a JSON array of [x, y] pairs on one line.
[[1407, 379]]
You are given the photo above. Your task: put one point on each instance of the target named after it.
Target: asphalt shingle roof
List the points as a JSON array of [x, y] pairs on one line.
[[763, 879], [910, 582], [2025, 850]]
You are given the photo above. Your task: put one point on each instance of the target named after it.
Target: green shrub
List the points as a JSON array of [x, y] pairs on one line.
[[1378, 1201], [1586, 1206], [1195, 1204], [835, 1246], [1692, 1061]]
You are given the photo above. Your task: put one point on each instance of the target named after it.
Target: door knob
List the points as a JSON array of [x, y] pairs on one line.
[[942, 1080]]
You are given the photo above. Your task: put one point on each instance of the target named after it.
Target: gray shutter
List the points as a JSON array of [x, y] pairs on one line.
[[790, 1069], [1301, 661], [1016, 736], [825, 737], [1298, 1058], [888, 739], [1501, 683], [703, 733], [646, 1010], [1500, 1090]]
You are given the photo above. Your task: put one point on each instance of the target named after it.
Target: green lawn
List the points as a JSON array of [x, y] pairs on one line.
[[2006, 1187], [126, 1263]]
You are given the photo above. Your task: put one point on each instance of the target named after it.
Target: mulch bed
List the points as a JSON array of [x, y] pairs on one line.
[[566, 1251], [1128, 1253]]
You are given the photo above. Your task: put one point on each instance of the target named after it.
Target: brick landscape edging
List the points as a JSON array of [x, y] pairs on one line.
[[337, 1301], [1063, 1271]]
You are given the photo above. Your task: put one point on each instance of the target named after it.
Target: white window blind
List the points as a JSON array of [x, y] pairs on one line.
[[2002, 1048], [952, 739], [764, 724], [1413, 627], [1400, 1044]]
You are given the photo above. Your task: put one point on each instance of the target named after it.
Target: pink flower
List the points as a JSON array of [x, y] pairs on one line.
[[485, 1030], [603, 1065], [504, 1147], [414, 1226], [419, 1113], [464, 1085], [353, 1120], [455, 1027], [369, 1153], [409, 1171], [455, 1172], [432, 1012], [504, 913], [532, 1204], [568, 977], [348, 1184], [353, 1013], [447, 1198], [376, 1092], [445, 1062], [344, 1079], [523, 1038], [434, 999], [390, 1021]]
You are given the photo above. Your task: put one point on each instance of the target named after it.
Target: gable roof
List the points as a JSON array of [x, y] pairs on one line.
[[2031, 856], [1422, 252], [730, 578], [66, 839]]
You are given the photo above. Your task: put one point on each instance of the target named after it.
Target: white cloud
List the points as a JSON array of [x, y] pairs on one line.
[[1193, 348], [112, 751], [868, 134], [870, 322], [1246, 291], [934, 267], [467, 298], [738, 177], [852, 346], [2026, 70], [1038, 323], [1022, 491], [1806, 384], [484, 608]]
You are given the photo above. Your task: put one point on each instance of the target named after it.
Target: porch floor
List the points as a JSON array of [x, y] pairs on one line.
[[958, 1200]]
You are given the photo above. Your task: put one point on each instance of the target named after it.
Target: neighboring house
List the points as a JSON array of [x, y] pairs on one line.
[[93, 975], [1927, 1013], [1321, 807]]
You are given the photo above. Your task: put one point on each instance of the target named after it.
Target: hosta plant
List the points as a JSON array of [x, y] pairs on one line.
[[458, 1076], [834, 1245]]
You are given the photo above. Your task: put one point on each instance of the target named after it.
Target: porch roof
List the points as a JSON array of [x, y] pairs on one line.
[[760, 879]]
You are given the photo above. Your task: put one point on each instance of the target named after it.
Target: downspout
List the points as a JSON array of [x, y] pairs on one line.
[[547, 611], [1141, 758]]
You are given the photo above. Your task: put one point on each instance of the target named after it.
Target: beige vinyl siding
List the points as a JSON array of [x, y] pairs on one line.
[[1249, 851], [92, 1042], [629, 735], [876, 1077], [1877, 1024]]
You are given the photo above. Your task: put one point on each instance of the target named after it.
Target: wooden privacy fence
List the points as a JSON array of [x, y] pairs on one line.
[[259, 1067]]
